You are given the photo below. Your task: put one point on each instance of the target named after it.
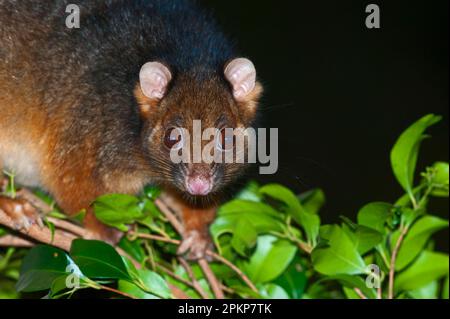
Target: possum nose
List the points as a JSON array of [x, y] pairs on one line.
[[198, 186]]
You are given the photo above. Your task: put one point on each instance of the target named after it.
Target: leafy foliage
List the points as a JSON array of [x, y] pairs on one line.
[[274, 236]]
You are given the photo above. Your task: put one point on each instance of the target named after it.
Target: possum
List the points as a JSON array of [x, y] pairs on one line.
[[89, 111]]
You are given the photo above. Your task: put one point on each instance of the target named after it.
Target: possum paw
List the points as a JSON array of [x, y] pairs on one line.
[[194, 245], [22, 213]]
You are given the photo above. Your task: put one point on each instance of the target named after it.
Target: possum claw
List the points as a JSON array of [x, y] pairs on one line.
[[194, 245], [21, 212]]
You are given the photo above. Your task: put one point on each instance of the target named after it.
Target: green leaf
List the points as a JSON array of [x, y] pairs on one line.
[[348, 281], [262, 217], [364, 238], [440, 180], [8, 290], [339, 255], [133, 290], [244, 236], [416, 238], [250, 193], [134, 248], [405, 200], [116, 210], [58, 286], [308, 221], [293, 280], [237, 207], [97, 259], [374, 215], [69, 283], [430, 266], [445, 288], [149, 211], [245, 292], [350, 293], [146, 285], [409, 215], [40, 267], [273, 291], [154, 283], [313, 200], [271, 258], [405, 152], [152, 192], [429, 291]]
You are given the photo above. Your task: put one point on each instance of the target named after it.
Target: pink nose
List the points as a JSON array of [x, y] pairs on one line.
[[198, 186]]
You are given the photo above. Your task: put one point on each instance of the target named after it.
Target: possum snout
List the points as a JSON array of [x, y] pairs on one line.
[[199, 180]]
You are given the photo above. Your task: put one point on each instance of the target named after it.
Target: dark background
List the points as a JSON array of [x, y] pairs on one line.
[[341, 94]]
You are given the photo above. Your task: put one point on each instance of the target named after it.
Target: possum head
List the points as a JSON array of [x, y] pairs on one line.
[[172, 104]]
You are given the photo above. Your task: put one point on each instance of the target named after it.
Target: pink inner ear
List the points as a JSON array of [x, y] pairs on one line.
[[154, 79], [241, 74]]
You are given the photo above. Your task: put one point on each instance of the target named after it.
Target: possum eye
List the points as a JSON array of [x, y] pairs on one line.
[[226, 140], [173, 138]]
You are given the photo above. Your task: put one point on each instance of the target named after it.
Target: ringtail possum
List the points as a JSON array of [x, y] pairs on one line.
[[88, 111]]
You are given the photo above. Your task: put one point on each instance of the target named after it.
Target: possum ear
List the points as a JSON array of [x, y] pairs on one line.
[[241, 74], [154, 79]]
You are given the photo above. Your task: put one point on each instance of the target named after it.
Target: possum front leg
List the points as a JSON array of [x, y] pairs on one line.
[[196, 239]]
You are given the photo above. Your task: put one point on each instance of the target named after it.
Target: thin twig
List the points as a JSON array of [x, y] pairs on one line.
[[305, 248], [394, 259], [360, 294], [226, 262], [194, 281], [212, 279], [227, 289], [14, 241], [169, 215], [70, 227], [174, 275], [156, 237], [117, 292]]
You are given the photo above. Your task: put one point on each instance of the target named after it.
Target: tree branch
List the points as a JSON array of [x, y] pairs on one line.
[[173, 220], [360, 294], [393, 260], [195, 283], [61, 240], [14, 241], [212, 279]]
